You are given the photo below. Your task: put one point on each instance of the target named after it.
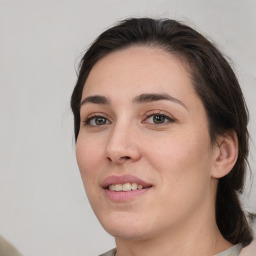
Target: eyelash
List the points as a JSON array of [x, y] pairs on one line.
[[168, 119], [90, 118]]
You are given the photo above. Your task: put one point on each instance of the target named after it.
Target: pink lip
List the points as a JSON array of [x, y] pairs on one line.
[[124, 179], [123, 196]]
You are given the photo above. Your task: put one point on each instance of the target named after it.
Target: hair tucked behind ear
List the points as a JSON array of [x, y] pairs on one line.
[[215, 83], [229, 215]]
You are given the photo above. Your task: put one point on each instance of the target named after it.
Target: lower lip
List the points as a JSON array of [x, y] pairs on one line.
[[123, 196]]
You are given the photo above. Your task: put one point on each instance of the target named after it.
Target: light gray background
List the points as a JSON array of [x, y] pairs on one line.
[[43, 208]]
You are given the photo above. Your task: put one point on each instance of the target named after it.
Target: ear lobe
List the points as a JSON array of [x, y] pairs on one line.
[[226, 153]]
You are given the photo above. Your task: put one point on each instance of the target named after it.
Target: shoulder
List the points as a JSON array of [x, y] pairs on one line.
[[7, 249], [250, 249], [109, 253]]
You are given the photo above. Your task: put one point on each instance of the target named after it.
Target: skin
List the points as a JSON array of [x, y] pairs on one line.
[[176, 156]]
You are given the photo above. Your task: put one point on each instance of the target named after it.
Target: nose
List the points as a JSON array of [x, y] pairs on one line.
[[122, 145]]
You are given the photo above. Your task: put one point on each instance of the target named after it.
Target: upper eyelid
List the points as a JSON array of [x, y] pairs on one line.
[[91, 116], [96, 114], [159, 112], [168, 119], [163, 115], [145, 115]]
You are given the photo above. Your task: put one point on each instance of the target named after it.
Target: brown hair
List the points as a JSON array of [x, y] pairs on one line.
[[215, 83]]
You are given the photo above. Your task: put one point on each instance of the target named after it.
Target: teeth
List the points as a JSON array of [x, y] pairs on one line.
[[125, 187], [134, 186], [118, 187]]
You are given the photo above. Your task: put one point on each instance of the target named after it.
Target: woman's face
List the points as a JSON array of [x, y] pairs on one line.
[[142, 124]]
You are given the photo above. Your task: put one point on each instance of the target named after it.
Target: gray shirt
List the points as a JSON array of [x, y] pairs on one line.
[[232, 251]]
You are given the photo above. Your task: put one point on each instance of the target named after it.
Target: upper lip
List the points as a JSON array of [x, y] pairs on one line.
[[114, 179]]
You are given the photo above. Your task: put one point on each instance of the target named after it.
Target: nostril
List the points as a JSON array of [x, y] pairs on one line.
[[118, 160], [125, 157]]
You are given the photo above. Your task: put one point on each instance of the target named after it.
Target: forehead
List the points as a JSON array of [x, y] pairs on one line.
[[138, 69]]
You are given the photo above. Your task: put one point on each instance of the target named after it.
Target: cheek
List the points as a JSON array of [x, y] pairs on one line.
[[178, 150], [88, 158], [183, 161]]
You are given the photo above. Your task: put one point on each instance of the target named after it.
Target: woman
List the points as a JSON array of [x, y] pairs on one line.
[[162, 141]]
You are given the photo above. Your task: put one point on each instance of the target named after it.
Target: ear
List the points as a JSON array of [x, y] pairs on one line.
[[225, 154]]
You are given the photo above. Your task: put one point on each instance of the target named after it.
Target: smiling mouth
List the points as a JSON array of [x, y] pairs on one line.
[[122, 189], [125, 187], [116, 186]]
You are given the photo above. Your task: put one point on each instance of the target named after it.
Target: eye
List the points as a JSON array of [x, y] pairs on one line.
[[158, 119], [96, 121]]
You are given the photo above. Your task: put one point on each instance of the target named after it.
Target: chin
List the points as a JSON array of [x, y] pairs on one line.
[[126, 233], [126, 227]]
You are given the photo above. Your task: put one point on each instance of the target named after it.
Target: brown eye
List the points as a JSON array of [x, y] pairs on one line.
[[100, 120], [96, 121], [159, 119]]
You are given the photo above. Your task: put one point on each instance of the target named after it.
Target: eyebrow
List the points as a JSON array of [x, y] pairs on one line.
[[95, 99], [142, 98], [150, 97]]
